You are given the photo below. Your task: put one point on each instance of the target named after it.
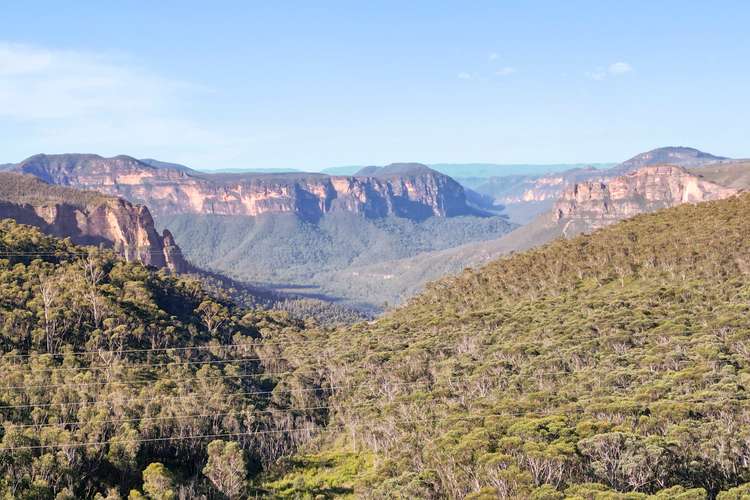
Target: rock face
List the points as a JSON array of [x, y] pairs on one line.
[[416, 192], [598, 203], [528, 196], [520, 189], [89, 219]]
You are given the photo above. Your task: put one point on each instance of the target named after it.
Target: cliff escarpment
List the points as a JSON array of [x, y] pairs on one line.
[[415, 192], [598, 203], [89, 218]]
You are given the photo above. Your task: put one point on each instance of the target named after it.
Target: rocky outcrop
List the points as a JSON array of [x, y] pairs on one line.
[[414, 192], [531, 195], [598, 203], [523, 189], [89, 219]]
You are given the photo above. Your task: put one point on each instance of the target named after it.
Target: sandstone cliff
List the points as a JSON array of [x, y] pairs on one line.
[[527, 196], [539, 188], [89, 219], [415, 193], [594, 204]]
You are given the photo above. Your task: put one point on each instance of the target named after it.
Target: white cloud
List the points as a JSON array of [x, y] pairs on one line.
[[614, 69], [464, 76], [505, 71], [493, 56], [619, 68], [39, 84], [68, 100]]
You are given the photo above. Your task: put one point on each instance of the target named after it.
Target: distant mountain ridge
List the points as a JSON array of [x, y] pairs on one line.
[[169, 165], [89, 218], [670, 155], [529, 195], [413, 191]]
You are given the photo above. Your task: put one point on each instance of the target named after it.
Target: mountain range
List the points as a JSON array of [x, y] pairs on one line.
[[581, 207], [289, 232], [404, 190], [525, 196], [374, 238]]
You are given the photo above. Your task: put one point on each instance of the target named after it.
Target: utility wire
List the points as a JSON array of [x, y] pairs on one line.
[[146, 382], [253, 343], [8, 425], [128, 383], [239, 434], [177, 398], [178, 362], [151, 440]]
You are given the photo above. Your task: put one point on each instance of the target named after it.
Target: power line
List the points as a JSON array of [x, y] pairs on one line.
[[177, 417], [259, 342], [519, 413], [146, 382], [188, 396], [151, 440], [148, 365], [239, 434], [131, 383]]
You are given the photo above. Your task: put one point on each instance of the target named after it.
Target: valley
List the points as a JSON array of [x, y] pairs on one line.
[[372, 240], [381, 250], [542, 343]]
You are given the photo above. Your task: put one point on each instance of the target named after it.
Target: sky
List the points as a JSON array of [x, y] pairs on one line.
[[310, 85]]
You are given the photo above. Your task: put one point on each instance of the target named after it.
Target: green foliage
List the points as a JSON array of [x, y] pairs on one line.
[[108, 367], [158, 482], [323, 475], [226, 468], [613, 365], [741, 492]]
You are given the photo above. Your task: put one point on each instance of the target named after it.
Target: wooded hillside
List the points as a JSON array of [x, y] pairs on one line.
[[615, 362]]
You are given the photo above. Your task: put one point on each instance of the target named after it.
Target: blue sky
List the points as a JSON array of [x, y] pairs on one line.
[[316, 84]]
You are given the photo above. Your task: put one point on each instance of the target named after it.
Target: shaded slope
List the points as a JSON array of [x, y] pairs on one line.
[[287, 253]]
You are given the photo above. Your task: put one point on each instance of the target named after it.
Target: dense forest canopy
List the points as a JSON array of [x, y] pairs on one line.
[[614, 365], [607, 366], [113, 373]]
